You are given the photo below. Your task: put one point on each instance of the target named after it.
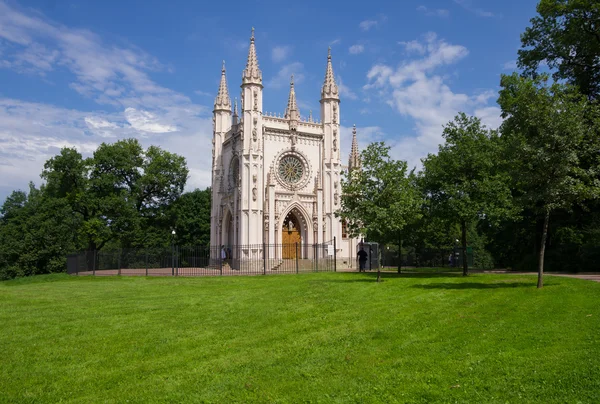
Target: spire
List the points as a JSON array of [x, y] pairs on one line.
[[354, 160], [310, 118], [252, 73], [223, 101], [291, 112], [330, 89], [235, 112]]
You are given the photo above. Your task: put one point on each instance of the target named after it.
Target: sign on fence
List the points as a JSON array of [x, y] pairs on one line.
[[330, 250]]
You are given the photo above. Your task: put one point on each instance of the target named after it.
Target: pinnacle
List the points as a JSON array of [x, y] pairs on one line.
[[354, 160], [223, 101], [252, 73], [291, 112], [330, 88]]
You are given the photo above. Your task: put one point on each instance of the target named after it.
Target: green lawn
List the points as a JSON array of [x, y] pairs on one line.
[[300, 338]]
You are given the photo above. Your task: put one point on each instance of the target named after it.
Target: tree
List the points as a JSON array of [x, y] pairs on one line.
[[463, 182], [566, 36], [36, 234], [192, 217], [380, 198], [119, 192], [548, 130]]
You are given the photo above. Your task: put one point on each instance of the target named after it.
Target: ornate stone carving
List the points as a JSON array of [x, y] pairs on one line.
[[335, 115], [335, 198], [254, 193], [255, 101]]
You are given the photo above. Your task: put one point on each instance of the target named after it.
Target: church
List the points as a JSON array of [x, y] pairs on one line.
[[276, 177]]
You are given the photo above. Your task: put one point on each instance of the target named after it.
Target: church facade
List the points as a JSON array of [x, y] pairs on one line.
[[276, 177]]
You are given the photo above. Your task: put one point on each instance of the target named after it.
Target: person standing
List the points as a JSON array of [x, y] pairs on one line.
[[362, 259]]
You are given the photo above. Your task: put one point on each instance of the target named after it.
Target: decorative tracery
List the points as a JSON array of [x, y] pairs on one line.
[[291, 169]]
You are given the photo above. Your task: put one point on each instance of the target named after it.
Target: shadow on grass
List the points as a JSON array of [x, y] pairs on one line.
[[475, 285], [372, 276]]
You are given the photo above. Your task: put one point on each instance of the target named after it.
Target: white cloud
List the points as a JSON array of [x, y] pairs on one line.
[[204, 93], [145, 121], [356, 49], [335, 42], [417, 91], [112, 75], [284, 74], [280, 53], [468, 5], [345, 91], [366, 25], [512, 65], [436, 12], [31, 133]]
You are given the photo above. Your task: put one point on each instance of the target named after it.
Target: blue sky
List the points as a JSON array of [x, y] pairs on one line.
[[79, 73]]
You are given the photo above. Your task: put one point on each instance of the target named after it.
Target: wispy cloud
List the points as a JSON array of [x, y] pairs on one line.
[[116, 77], [511, 65], [356, 49], [417, 89], [434, 12], [468, 5], [280, 53], [282, 78], [345, 91], [369, 24]]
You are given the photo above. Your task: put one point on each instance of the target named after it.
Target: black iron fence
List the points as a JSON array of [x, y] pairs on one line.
[[251, 259], [426, 257]]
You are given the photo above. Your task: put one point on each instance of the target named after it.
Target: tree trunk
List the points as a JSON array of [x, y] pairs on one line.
[[90, 256], [463, 227], [540, 283], [399, 254]]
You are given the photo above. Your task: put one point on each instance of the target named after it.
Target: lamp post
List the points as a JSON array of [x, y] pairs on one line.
[[173, 252], [455, 255]]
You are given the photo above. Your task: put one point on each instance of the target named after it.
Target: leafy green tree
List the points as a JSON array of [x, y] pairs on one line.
[[36, 234], [192, 217], [463, 182], [566, 36], [119, 192], [380, 199], [548, 130]]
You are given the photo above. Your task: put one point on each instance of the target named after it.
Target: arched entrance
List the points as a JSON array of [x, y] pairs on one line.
[[291, 236], [228, 231]]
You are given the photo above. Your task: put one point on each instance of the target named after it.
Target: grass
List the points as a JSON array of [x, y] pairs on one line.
[[300, 338]]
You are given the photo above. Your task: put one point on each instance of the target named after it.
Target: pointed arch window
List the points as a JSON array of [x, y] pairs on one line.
[[344, 229]]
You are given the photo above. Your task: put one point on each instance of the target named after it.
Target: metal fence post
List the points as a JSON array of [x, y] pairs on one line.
[[119, 260], [334, 255], [316, 252], [264, 259], [146, 261], [296, 257], [176, 260], [94, 256], [220, 255]]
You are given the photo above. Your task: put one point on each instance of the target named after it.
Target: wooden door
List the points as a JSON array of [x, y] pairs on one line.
[[290, 235]]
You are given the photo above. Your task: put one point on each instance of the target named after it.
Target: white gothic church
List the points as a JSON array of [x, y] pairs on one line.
[[276, 178]]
